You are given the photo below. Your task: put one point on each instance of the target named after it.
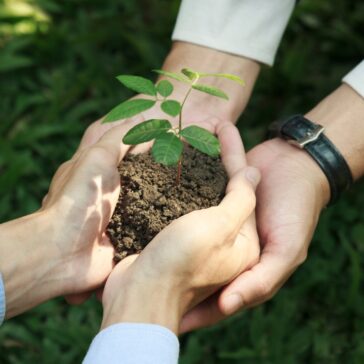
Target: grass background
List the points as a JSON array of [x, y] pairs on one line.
[[58, 60]]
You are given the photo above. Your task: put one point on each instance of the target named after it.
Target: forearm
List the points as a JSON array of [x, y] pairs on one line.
[[342, 115], [203, 59], [27, 263]]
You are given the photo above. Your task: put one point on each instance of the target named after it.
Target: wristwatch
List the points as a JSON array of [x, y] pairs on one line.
[[306, 135]]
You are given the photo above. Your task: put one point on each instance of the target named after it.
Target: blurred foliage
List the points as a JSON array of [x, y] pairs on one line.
[[57, 64]]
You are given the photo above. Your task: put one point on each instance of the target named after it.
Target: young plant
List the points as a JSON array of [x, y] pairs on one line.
[[168, 146]]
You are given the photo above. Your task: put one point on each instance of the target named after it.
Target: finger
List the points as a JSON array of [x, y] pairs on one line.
[[239, 200], [96, 130], [93, 133], [124, 264], [205, 314], [77, 299], [120, 267], [44, 200], [141, 148], [112, 143], [232, 148], [256, 285], [233, 153], [209, 124]]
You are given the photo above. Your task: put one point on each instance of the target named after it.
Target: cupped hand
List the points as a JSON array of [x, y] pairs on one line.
[[81, 200], [200, 111], [196, 254], [290, 197]]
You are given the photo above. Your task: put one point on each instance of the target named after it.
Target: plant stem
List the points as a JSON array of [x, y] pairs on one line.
[[179, 168], [179, 172], [180, 114]]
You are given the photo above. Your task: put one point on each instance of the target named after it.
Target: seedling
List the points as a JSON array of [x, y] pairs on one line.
[[168, 146]]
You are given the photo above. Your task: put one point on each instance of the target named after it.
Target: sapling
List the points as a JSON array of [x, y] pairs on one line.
[[168, 145]]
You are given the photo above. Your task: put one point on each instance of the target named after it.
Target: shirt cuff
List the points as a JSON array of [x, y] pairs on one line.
[[355, 78], [2, 300], [250, 28], [134, 343]]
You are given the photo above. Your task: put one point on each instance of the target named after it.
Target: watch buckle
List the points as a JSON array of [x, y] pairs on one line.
[[310, 137]]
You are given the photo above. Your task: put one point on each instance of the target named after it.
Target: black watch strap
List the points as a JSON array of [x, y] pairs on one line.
[[305, 134]]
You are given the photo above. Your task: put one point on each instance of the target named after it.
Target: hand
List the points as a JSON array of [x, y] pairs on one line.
[[200, 106], [202, 109], [63, 245], [290, 197], [193, 256]]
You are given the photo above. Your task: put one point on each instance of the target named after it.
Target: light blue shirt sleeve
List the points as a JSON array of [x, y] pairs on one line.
[[2, 300], [134, 343]]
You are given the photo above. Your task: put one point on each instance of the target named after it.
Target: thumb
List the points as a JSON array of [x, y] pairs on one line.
[[253, 176], [256, 285]]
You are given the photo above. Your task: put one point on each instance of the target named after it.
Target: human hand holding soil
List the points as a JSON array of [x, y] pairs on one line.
[[62, 248], [202, 110], [192, 257], [290, 198]]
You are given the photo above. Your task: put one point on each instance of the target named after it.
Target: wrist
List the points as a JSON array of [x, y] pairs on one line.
[[289, 157], [137, 301], [341, 114], [203, 59], [27, 262]]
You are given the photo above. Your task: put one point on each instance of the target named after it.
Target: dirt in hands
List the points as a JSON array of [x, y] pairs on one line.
[[150, 199]]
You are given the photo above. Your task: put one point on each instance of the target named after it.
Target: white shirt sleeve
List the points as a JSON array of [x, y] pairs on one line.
[[355, 78], [134, 343], [2, 300], [250, 28]]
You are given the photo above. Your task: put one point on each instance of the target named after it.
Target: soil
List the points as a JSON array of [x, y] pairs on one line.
[[150, 199]]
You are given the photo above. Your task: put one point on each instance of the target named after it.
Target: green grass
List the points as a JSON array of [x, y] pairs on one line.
[[57, 68]]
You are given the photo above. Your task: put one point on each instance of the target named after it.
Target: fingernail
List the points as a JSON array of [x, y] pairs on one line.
[[252, 174], [232, 303]]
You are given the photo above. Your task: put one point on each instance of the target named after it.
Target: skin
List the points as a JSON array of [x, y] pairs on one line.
[[200, 107], [293, 190], [178, 285], [186, 262], [62, 249], [290, 198], [65, 248]]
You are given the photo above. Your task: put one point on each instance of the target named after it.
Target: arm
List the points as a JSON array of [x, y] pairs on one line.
[[201, 107], [49, 252], [235, 37], [290, 197]]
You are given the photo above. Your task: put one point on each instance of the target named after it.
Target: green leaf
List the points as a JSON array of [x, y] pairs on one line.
[[224, 75], [146, 131], [210, 90], [171, 107], [175, 76], [164, 88], [167, 149], [192, 75], [138, 84], [127, 109], [202, 140]]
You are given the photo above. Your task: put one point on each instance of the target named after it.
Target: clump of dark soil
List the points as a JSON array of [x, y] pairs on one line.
[[150, 199]]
